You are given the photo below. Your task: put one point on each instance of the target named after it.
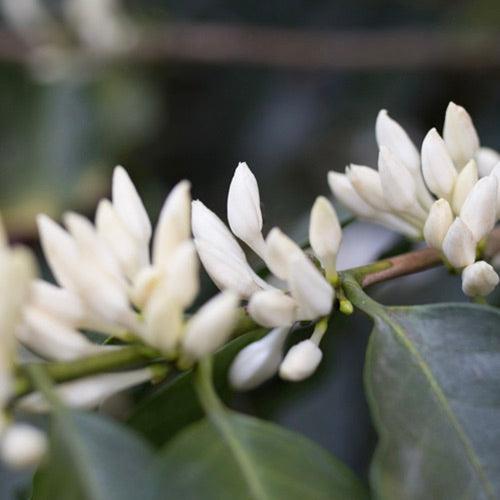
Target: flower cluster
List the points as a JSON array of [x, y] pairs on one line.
[[449, 193], [20, 444], [301, 291]]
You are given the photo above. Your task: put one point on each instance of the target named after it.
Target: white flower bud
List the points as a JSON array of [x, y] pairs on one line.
[[222, 257], [479, 209], [437, 224], [52, 339], [398, 184], [464, 183], [459, 135], [281, 250], [91, 245], [390, 134], [459, 245], [272, 308], [127, 249], [479, 279], [309, 288], [344, 191], [243, 209], [22, 445], [366, 182], [88, 392], [211, 326], [129, 206], [399, 225], [325, 233], [486, 159], [183, 274], [259, 361], [301, 361], [437, 166], [496, 173], [174, 223], [144, 285]]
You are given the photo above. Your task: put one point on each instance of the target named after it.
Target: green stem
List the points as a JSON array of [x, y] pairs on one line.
[[40, 379], [205, 388], [124, 357]]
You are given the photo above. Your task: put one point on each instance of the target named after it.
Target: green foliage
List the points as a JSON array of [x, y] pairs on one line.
[[432, 377], [245, 458]]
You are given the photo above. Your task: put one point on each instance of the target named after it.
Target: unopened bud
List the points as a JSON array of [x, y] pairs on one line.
[[437, 224], [459, 135], [258, 361], [459, 245], [479, 279], [366, 182], [301, 361], [486, 159], [272, 308], [464, 183], [22, 445]]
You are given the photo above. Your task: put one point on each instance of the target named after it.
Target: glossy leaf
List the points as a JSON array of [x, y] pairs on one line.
[[245, 458], [92, 458], [175, 405], [432, 376]]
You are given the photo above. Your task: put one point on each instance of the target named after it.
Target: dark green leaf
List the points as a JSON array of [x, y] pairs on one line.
[[175, 404], [245, 458], [92, 458], [433, 381]]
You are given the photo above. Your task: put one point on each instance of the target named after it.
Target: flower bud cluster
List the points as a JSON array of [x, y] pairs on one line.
[[106, 273], [304, 293], [448, 193], [20, 444]]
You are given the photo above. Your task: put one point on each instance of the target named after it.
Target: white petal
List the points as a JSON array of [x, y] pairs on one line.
[[459, 245], [301, 361], [464, 183], [325, 233], [479, 279], [486, 159], [258, 361], [460, 135], [281, 250], [310, 289], [272, 308], [144, 285], [496, 173], [243, 208], [437, 165], [174, 223], [366, 182], [479, 209], [211, 326], [88, 392], [437, 224], [22, 445], [129, 206]]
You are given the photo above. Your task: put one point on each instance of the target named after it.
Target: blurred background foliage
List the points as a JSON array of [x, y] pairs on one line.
[[174, 90]]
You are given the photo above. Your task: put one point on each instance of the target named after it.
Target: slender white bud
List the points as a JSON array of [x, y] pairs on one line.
[[144, 285], [183, 274], [437, 224], [459, 245], [127, 249], [281, 250], [272, 308], [496, 173], [479, 279], [22, 445], [396, 223], [437, 166], [459, 135], [366, 182], [88, 392], [343, 190], [174, 223], [301, 361], [398, 184], [479, 209], [243, 209], [259, 361], [91, 245], [390, 134], [59, 249], [211, 326], [129, 206], [309, 288], [325, 233], [52, 339], [464, 183], [486, 159]]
